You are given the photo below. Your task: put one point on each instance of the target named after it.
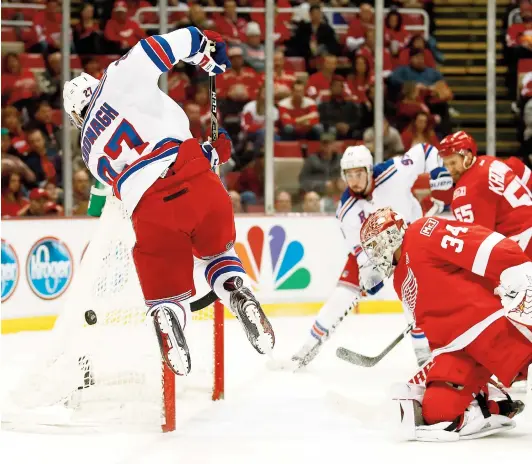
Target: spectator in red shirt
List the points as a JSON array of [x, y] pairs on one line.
[[87, 33], [122, 32], [356, 34], [178, 86], [416, 42], [45, 36], [197, 128], [412, 104], [358, 82], [299, 116], [419, 131], [12, 122], [93, 67], [230, 26], [368, 51], [240, 83], [19, 86], [11, 162], [283, 81], [250, 183], [519, 45], [38, 198], [13, 202], [253, 119], [201, 98], [133, 6], [281, 33], [396, 37], [319, 83]]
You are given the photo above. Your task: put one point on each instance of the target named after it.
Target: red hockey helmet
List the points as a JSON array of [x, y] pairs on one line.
[[457, 143], [381, 235]]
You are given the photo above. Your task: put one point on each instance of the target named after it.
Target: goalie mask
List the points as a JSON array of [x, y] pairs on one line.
[[381, 235], [77, 95]]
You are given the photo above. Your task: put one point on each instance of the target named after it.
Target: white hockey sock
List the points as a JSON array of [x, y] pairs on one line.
[[420, 345], [342, 300], [217, 270]]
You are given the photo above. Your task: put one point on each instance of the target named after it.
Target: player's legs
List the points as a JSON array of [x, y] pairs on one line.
[[213, 239]]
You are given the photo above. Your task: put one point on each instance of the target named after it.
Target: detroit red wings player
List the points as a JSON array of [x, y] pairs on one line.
[[472, 336], [487, 191], [521, 170]]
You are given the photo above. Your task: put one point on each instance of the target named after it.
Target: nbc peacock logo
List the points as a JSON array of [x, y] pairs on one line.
[[275, 263]]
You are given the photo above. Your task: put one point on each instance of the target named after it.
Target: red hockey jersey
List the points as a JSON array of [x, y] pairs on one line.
[[521, 170], [447, 273], [490, 194]]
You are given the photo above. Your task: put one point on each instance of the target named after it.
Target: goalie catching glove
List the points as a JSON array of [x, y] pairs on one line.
[[515, 291]]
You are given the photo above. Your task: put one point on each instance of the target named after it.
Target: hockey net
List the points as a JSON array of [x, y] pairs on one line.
[[103, 368]]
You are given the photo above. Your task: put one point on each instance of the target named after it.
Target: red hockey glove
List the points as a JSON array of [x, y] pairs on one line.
[[223, 147]]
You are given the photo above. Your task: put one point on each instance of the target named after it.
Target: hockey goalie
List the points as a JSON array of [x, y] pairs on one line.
[[472, 334]]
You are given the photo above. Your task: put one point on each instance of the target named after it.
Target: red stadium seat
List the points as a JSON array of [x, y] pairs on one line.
[[8, 34], [57, 117], [294, 64], [413, 19], [313, 146], [32, 60], [287, 150]]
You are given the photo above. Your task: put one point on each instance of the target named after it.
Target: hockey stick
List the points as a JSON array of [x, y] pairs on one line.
[[367, 361], [204, 301]]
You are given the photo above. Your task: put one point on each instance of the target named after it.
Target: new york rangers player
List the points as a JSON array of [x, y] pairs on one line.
[[136, 139], [369, 188]]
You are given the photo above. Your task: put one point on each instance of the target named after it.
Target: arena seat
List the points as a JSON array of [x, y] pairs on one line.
[[32, 61], [294, 64], [287, 150]]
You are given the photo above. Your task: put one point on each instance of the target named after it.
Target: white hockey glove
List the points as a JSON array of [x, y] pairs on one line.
[[440, 179], [515, 291], [211, 154], [371, 278]]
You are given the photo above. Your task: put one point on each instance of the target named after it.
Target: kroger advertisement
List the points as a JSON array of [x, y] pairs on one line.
[[290, 259]]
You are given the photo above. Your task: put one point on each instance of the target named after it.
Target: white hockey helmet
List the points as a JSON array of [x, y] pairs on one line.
[[77, 94], [356, 157]]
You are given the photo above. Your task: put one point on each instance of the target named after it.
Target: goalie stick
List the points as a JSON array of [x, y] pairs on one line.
[[367, 361]]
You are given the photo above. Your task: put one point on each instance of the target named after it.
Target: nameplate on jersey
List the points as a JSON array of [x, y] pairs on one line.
[[429, 226], [459, 192], [98, 123]]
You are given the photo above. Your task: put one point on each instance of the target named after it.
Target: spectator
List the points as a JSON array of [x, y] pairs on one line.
[[236, 201], [412, 104], [240, 82], [38, 198], [87, 33], [197, 128], [338, 114], [320, 168], [12, 163], [313, 39], [132, 6], [281, 32], [93, 67], [419, 131], [13, 201], [283, 80], [433, 83], [253, 50], [12, 122], [250, 183], [201, 98], [419, 43], [43, 120], [311, 203], [51, 208], [396, 37], [299, 116], [368, 51], [122, 32], [45, 165], [178, 86], [518, 45], [319, 83], [81, 192], [283, 202], [229, 25], [197, 18], [392, 144], [358, 82], [45, 36], [19, 86], [50, 81], [254, 119], [54, 192], [356, 34]]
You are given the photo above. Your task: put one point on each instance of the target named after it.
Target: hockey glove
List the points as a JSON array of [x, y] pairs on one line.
[[515, 291], [223, 145], [440, 179], [213, 62], [371, 278]]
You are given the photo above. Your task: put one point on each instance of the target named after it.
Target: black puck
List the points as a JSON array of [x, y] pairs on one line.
[[90, 317]]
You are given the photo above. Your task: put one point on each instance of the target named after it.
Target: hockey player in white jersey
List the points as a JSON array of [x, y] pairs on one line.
[[136, 140], [368, 189]]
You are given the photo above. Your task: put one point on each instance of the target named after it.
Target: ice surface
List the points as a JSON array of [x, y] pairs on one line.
[[332, 412]]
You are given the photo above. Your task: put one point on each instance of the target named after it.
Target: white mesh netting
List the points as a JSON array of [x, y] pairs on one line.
[[110, 373]]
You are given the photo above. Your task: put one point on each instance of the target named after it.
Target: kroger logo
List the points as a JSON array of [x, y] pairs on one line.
[[49, 268], [276, 264], [10, 270]]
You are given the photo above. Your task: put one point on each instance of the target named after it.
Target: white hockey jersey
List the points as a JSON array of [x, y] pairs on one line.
[[128, 110], [393, 181]]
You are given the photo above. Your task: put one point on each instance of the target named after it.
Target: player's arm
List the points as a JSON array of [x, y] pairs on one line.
[[159, 53]]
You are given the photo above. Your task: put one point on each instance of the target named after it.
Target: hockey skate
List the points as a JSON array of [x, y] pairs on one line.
[[307, 352], [250, 314], [171, 338]]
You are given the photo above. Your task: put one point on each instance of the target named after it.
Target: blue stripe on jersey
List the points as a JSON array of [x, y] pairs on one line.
[[92, 101], [163, 141], [345, 196], [135, 167], [196, 40], [378, 169], [153, 56], [166, 47]]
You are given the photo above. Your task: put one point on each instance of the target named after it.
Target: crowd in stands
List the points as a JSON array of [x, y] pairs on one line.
[[324, 86]]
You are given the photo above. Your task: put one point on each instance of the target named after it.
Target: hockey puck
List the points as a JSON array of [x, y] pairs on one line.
[[90, 317]]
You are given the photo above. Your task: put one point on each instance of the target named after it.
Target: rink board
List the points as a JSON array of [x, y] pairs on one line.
[[294, 262]]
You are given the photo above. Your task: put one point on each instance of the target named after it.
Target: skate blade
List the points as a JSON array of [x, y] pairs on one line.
[[175, 354], [265, 340]]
